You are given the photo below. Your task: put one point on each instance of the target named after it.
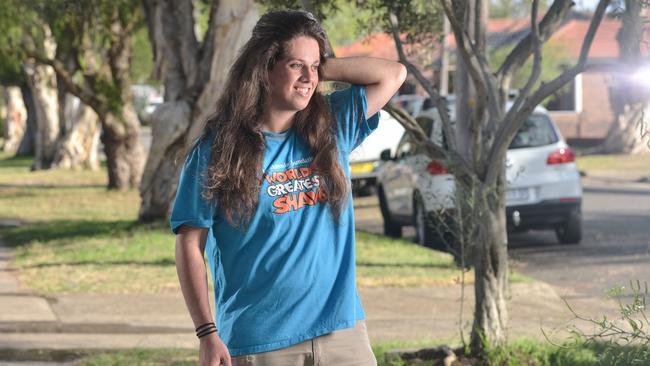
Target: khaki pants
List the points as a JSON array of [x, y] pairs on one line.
[[344, 347]]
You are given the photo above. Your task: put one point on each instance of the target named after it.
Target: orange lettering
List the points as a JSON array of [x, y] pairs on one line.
[[304, 199], [281, 205]]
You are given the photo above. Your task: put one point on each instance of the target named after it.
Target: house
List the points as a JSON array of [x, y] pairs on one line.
[[582, 109]]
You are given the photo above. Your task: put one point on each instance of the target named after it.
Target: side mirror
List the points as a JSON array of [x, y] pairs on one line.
[[385, 155]]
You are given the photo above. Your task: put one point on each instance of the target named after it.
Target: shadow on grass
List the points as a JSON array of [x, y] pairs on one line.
[[406, 264], [17, 162], [65, 229], [157, 263], [22, 193], [53, 186]]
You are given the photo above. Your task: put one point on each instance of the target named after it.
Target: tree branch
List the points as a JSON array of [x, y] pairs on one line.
[[151, 19], [536, 71], [452, 159], [440, 102], [484, 83], [419, 136], [206, 52], [72, 87], [465, 47], [518, 56], [176, 49], [515, 118]]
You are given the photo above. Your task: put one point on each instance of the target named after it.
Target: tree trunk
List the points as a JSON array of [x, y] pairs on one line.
[[124, 151], [26, 146], [15, 123], [178, 122], [628, 133], [491, 269], [79, 147], [41, 80]]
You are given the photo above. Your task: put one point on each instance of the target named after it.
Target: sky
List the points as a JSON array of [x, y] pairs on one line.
[[586, 4]]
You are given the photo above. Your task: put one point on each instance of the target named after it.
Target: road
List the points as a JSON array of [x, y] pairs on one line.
[[615, 248]]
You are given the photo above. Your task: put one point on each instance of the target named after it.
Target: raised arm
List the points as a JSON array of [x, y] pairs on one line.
[[381, 77]]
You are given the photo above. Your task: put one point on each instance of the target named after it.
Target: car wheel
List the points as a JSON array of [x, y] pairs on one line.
[[391, 228], [570, 232], [425, 228]]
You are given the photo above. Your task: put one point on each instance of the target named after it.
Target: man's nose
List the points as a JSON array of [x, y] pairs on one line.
[[308, 73]]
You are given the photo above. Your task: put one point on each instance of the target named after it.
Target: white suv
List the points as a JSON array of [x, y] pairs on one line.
[[544, 189]]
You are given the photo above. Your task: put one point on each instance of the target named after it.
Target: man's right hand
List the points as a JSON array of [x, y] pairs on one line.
[[213, 352]]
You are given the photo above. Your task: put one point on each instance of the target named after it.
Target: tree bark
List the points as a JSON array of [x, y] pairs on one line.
[[26, 146], [201, 72], [629, 133], [78, 149], [125, 154], [41, 80], [15, 124], [491, 269]]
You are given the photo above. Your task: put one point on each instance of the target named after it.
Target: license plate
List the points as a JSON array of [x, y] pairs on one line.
[[360, 168], [520, 194]]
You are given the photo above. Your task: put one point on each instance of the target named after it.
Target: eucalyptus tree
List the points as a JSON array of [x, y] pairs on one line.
[[88, 44], [192, 63]]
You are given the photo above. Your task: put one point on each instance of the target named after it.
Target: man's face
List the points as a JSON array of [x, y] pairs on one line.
[[294, 78]]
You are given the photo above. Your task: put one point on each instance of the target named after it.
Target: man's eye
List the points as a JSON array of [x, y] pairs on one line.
[[295, 66]]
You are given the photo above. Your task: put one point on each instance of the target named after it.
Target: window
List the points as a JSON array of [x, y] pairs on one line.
[[567, 99], [537, 130], [405, 147]]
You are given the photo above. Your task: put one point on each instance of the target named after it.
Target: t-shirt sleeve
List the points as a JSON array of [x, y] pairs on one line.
[[349, 108], [190, 208]]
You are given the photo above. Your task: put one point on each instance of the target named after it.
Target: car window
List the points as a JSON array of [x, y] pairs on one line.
[[537, 130], [426, 123], [405, 147]]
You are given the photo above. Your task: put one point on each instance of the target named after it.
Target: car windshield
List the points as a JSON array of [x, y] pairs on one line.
[[536, 131]]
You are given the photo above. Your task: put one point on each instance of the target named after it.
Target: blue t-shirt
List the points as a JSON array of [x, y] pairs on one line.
[[290, 275]]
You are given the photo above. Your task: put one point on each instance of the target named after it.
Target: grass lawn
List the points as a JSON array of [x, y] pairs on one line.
[[77, 237], [520, 352], [639, 164]]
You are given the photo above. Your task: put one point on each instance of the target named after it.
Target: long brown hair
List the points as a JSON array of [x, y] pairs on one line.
[[238, 145]]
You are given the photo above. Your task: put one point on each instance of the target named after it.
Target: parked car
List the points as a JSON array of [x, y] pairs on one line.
[[543, 185], [365, 159]]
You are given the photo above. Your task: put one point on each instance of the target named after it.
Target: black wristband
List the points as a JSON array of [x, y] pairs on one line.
[[203, 326], [206, 332]]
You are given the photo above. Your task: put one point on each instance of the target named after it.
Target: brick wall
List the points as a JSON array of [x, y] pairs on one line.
[[596, 116]]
